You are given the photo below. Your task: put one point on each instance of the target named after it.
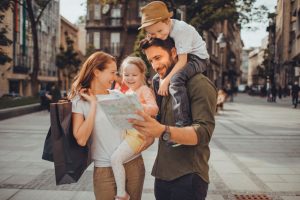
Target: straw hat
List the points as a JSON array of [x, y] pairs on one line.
[[154, 12]]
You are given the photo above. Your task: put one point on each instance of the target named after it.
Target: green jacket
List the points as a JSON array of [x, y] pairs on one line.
[[174, 162]]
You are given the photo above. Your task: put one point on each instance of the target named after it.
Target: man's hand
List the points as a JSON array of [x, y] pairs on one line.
[[164, 87], [149, 126]]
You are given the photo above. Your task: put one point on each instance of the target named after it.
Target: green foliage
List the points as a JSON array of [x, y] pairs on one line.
[[4, 41], [80, 20], [203, 14], [137, 51], [68, 59], [89, 50], [8, 102]]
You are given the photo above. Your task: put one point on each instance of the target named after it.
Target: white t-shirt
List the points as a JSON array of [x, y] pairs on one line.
[[105, 137], [187, 39]]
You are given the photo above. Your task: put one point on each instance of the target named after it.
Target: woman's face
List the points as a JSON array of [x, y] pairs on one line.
[[106, 77], [133, 77]]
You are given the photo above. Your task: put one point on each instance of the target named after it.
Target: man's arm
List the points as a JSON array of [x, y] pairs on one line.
[[203, 104], [150, 126]]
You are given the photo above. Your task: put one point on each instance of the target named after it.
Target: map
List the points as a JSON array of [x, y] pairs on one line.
[[121, 107]]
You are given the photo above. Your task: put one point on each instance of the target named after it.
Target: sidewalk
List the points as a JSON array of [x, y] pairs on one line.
[[255, 150]]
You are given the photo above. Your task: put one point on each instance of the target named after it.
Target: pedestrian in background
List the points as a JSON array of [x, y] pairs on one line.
[[180, 172], [89, 120], [53, 96], [295, 94]]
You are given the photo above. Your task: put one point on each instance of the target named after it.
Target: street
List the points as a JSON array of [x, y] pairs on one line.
[[255, 151]]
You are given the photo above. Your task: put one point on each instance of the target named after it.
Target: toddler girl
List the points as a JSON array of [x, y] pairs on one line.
[[133, 70]]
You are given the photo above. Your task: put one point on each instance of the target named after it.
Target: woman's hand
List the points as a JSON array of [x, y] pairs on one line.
[[149, 126], [88, 95]]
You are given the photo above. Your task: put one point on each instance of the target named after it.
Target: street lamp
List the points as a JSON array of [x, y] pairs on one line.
[[221, 41]]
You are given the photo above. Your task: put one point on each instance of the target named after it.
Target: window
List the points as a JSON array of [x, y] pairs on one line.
[[88, 13], [97, 40], [115, 15], [115, 43], [116, 11], [97, 11]]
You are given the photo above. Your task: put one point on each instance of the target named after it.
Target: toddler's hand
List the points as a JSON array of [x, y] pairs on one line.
[[164, 87]]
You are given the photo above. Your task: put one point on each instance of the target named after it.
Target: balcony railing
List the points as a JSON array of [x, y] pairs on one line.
[[20, 69]]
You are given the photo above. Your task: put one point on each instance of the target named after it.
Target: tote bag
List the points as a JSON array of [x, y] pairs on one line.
[[70, 159]]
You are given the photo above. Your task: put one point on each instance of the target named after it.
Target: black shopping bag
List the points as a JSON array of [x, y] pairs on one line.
[[48, 152], [70, 159]]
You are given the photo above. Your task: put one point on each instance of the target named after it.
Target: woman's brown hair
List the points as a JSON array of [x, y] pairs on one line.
[[97, 60]]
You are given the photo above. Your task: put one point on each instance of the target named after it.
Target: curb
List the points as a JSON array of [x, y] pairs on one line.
[[20, 110]]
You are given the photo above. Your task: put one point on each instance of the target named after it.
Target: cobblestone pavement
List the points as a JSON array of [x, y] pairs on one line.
[[255, 151]]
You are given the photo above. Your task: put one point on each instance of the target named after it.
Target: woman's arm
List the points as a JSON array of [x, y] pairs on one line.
[[82, 128]]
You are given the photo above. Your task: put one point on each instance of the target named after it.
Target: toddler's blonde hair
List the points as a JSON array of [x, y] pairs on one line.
[[137, 61]]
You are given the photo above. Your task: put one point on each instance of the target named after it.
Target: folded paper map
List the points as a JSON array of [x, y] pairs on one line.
[[121, 107]]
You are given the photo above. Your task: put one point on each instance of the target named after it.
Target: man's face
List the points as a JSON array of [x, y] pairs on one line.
[[160, 59]]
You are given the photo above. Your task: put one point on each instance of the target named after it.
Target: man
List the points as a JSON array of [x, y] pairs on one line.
[[180, 172]]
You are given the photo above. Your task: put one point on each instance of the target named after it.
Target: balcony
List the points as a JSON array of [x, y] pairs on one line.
[[20, 69]]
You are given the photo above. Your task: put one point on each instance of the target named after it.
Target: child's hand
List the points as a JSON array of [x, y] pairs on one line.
[[164, 87]]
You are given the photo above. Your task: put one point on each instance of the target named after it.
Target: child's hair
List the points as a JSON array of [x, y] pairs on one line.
[[137, 61], [97, 60]]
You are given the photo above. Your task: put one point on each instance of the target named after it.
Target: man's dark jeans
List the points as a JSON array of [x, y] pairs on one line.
[[178, 92], [187, 187]]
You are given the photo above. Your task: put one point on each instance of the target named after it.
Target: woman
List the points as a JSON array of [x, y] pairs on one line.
[[89, 86]]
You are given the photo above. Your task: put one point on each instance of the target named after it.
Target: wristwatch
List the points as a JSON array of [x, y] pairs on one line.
[[166, 135]]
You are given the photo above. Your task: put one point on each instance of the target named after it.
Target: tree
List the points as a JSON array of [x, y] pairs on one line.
[[34, 18], [203, 14], [89, 50], [67, 61], [4, 41]]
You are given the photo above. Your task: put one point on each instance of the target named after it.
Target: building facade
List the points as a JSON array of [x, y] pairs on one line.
[[106, 24], [16, 74], [287, 42], [224, 46], [6, 69], [68, 31], [245, 65]]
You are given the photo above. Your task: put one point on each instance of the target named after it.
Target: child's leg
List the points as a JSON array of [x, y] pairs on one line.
[[121, 155], [178, 92]]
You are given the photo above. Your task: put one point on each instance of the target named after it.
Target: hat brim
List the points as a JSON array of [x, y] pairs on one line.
[[144, 25], [154, 21]]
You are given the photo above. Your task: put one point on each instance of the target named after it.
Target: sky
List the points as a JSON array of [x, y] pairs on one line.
[[72, 9]]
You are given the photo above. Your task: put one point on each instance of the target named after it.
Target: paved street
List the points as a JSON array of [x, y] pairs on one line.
[[255, 151]]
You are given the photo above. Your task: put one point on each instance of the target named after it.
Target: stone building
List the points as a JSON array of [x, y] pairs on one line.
[[287, 42], [105, 26], [15, 76]]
